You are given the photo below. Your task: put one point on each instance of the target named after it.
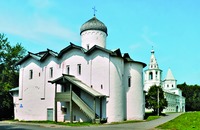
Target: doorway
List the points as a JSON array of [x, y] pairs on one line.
[[50, 114]]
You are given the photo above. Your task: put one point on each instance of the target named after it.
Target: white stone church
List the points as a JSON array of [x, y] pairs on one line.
[[80, 83], [173, 95]]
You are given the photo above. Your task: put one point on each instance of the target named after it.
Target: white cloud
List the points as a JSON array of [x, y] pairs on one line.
[[40, 3], [36, 25], [38, 30], [135, 46], [147, 39], [53, 28], [147, 36]]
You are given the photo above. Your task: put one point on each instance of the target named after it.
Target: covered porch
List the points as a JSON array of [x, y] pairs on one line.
[[75, 92]]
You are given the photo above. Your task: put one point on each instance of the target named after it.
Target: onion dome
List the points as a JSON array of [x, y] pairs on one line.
[[93, 24]]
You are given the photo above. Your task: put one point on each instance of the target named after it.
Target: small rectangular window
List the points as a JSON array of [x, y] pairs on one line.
[[88, 46], [79, 69], [51, 72], [30, 74], [129, 81], [68, 69]]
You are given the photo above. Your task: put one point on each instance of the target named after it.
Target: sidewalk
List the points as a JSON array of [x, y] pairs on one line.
[[149, 125], [34, 124]]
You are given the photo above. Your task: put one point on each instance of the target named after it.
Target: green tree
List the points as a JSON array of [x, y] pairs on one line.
[[192, 96], [152, 99], [9, 73]]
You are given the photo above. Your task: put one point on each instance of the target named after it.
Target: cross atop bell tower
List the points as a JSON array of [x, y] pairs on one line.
[[94, 9]]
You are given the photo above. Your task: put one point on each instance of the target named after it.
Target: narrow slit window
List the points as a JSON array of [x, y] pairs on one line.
[[156, 75], [101, 86], [68, 69], [79, 69], [51, 72], [129, 81], [30, 74]]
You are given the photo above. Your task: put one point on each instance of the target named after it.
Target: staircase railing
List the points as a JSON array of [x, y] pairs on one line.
[[63, 96], [83, 106]]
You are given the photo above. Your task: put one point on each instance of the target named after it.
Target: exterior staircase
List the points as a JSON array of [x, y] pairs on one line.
[[83, 106], [66, 96]]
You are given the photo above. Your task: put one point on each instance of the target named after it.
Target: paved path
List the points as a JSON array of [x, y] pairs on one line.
[[150, 125]]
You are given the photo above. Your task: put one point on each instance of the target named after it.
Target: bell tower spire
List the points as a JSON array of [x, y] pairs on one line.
[[153, 74], [153, 62]]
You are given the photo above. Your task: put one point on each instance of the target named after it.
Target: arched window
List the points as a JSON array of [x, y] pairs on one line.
[[150, 76], [68, 69]]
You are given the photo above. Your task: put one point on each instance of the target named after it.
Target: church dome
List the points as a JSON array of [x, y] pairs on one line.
[[93, 24]]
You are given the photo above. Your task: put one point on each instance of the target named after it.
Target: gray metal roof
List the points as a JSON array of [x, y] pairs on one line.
[[93, 24]]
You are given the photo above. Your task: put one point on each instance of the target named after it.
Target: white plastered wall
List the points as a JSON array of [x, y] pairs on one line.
[[90, 38], [134, 93], [36, 94], [116, 100]]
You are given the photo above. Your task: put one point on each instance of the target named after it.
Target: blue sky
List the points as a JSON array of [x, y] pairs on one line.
[[172, 27]]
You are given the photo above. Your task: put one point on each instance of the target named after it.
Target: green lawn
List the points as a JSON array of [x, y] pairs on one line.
[[152, 116], [59, 123], [187, 121]]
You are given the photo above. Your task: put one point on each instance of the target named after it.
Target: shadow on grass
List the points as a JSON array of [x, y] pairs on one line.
[[152, 116]]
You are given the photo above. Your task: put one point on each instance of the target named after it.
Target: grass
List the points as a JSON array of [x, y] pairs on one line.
[[77, 124], [186, 121], [152, 116], [59, 123], [128, 121], [148, 117]]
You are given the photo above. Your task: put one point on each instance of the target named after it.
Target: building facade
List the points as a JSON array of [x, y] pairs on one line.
[[173, 95], [81, 83]]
